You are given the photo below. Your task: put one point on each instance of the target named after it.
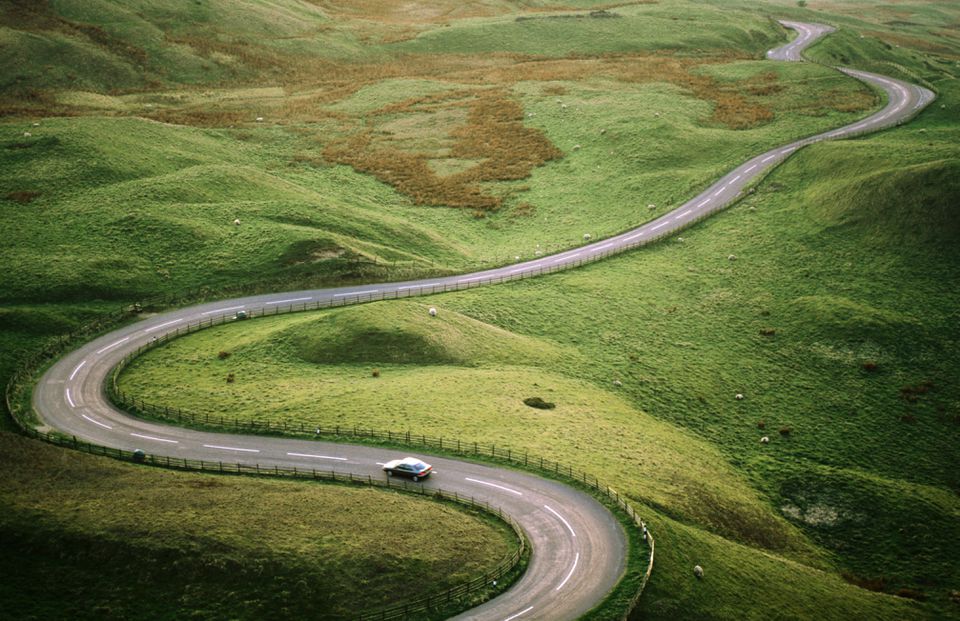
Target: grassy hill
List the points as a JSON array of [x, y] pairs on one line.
[[836, 319]]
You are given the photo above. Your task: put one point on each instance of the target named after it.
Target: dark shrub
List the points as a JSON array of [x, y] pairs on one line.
[[785, 431], [540, 404], [768, 332], [231, 378], [223, 355], [761, 424], [375, 373]]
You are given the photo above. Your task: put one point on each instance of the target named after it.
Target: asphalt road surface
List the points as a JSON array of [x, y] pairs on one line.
[[578, 546]]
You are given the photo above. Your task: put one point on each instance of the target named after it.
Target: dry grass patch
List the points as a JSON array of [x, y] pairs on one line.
[[492, 136]]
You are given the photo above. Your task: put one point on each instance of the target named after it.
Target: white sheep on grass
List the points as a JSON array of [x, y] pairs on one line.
[[651, 206], [432, 311], [236, 222], [739, 396], [765, 440], [732, 257], [698, 571], [586, 237]]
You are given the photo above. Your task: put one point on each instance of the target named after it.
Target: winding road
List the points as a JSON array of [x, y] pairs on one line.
[[578, 546]]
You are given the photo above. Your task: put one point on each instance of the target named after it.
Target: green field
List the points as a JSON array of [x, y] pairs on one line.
[[836, 318]]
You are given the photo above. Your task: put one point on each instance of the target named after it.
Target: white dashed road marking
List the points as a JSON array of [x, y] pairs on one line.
[[570, 573], [155, 439], [223, 310], [340, 295], [95, 422], [316, 456], [506, 489], [114, 344], [231, 448], [288, 301], [70, 400], [519, 614], [77, 369], [164, 325], [565, 523]]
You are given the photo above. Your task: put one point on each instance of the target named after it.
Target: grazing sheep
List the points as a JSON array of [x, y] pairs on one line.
[[27, 134], [732, 257], [576, 147], [651, 206], [765, 440], [739, 396], [432, 311], [698, 571], [236, 222], [603, 131], [680, 240], [617, 383], [36, 124], [259, 119], [563, 106], [516, 258], [586, 236], [656, 114]]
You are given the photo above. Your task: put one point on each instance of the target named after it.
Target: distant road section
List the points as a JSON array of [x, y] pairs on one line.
[[579, 548]]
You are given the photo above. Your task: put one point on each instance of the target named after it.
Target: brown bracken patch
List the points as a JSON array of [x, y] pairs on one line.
[[494, 137]]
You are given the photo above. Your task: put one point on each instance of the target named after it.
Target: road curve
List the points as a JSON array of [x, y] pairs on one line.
[[578, 546]]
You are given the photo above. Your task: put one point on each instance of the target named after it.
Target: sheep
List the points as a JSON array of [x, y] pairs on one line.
[[432, 311], [732, 257], [576, 147], [259, 119], [563, 106], [651, 206], [698, 571], [765, 440], [36, 124], [27, 134], [738, 396], [236, 221], [617, 383], [656, 114], [516, 258], [603, 131], [680, 240], [586, 237]]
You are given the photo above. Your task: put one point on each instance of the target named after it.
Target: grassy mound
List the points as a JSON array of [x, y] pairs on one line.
[[166, 545], [405, 333], [478, 377], [915, 205]]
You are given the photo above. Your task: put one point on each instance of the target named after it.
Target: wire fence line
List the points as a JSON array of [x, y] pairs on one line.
[[469, 593]]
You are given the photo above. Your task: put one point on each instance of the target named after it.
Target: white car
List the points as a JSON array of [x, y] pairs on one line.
[[408, 466]]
